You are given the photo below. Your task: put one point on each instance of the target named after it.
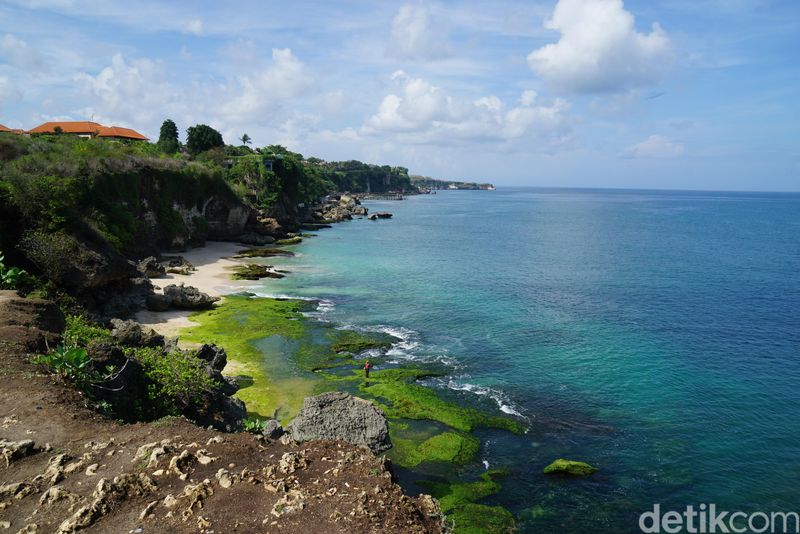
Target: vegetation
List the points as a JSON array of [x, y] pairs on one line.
[[254, 425], [11, 277], [202, 137], [168, 137], [175, 379], [72, 363], [79, 332], [452, 447]]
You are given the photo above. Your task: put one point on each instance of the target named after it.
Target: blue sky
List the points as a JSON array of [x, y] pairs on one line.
[[674, 94]]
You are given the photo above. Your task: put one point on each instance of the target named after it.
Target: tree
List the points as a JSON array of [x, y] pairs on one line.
[[168, 137], [246, 139], [202, 137]]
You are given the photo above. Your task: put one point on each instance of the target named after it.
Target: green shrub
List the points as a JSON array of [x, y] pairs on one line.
[[72, 363], [11, 277], [80, 332], [254, 425], [176, 379]]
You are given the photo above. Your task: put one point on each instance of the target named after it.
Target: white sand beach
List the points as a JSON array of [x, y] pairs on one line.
[[213, 262]]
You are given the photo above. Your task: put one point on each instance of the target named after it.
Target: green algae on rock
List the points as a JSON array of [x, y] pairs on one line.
[[452, 447], [570, 467], [356, 343], [263, 253], [296, 240], [253, 271], [412, 401], [458, 503]]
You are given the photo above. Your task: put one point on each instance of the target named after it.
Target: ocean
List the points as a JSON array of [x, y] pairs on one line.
[[653, 334]]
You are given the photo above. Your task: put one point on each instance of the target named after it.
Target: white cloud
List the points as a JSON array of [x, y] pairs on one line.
[[654, 147], [134, 91], [600, 49], [15, 51], [194, 26], [414, 36], [285, 79], [423, 113], [8, 92]]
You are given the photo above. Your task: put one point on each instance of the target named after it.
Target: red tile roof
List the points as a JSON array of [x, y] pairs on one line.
[[89, 128], [4, 128], [121, 133], [73, 127]]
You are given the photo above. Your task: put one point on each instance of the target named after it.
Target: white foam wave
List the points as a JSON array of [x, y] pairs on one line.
[[501, 399]]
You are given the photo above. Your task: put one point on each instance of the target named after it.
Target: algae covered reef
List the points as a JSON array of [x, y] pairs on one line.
[[282, 356]]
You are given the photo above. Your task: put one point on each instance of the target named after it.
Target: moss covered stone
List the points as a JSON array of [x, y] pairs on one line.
[[263, 253], [569, 467], [458, 502], [412, 401], [452, 447], [296, 240], [253, 271], [356, 342]]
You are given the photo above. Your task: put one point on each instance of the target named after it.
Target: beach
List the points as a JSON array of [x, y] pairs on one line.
[[212, 263]]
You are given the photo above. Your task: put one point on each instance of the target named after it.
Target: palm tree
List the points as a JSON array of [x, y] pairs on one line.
[[246, 139]]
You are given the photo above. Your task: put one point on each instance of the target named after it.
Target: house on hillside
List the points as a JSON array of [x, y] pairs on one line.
[[88, 129], [11, 130]]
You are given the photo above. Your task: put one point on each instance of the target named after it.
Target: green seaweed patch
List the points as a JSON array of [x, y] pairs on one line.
[[238, 325], [458, 502], [412, 401], [253, 271], [451, 447], [263, 253], [570, 467], [356, 342], [296, 240]]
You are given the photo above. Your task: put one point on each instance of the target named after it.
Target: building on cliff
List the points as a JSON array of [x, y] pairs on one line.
[[88, 129]]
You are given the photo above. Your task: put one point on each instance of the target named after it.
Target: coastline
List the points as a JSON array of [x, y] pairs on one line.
[[282, 356]]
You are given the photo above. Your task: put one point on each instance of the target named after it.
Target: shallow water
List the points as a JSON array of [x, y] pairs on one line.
[[653, 334]]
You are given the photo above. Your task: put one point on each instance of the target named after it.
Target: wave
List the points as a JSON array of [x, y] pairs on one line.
[[500, 398]]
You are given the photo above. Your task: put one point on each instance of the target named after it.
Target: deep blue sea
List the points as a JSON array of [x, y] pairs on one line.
[[655, 335]]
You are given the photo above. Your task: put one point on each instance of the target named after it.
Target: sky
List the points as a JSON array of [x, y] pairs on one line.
[[673, 94]]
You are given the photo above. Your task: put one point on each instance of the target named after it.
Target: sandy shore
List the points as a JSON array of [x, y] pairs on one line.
[[213, 263]]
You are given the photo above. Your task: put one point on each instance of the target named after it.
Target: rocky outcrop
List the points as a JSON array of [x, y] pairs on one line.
[[380, 215], [188, 298], [133, 334], [341, 416], [151, 268], [30, 325]]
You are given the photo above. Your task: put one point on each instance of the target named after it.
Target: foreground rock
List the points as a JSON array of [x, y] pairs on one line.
[[181, 297], [338, 415], [133, 334], [151, 268], [569, 467], [30, 325]]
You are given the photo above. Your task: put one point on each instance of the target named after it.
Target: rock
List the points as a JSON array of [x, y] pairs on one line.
[[14, 450], [216, 356], [125, 386], [360, 210], [157, 302], [133, 334], [151, 268], [188, 297], [178, 262], [380, 215], [32, 325], [338, 415], [569, 467], [254, 238], [295, 240], [347, 202], [272, 429]]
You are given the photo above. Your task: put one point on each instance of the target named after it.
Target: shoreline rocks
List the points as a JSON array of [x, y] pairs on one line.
[[570, 467], [341, 416]]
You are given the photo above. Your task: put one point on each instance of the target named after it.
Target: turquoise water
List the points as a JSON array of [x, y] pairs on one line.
[[653, 334]]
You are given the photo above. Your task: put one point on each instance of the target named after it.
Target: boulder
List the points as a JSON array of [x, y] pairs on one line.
[[340, 416], [151, 268], [157, 302], [360, 210], [133, 334], [569, 467], [188, 297], [347, 202], [337, 214], [255, 238], [32, 325], [272, 429], [380, 215], [215, 356]]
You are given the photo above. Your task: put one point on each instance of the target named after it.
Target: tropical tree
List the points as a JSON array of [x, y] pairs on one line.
[[202, 137], [168, 137], [246, 139]]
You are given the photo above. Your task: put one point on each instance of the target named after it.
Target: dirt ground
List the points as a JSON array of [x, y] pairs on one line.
[[67, 469]]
